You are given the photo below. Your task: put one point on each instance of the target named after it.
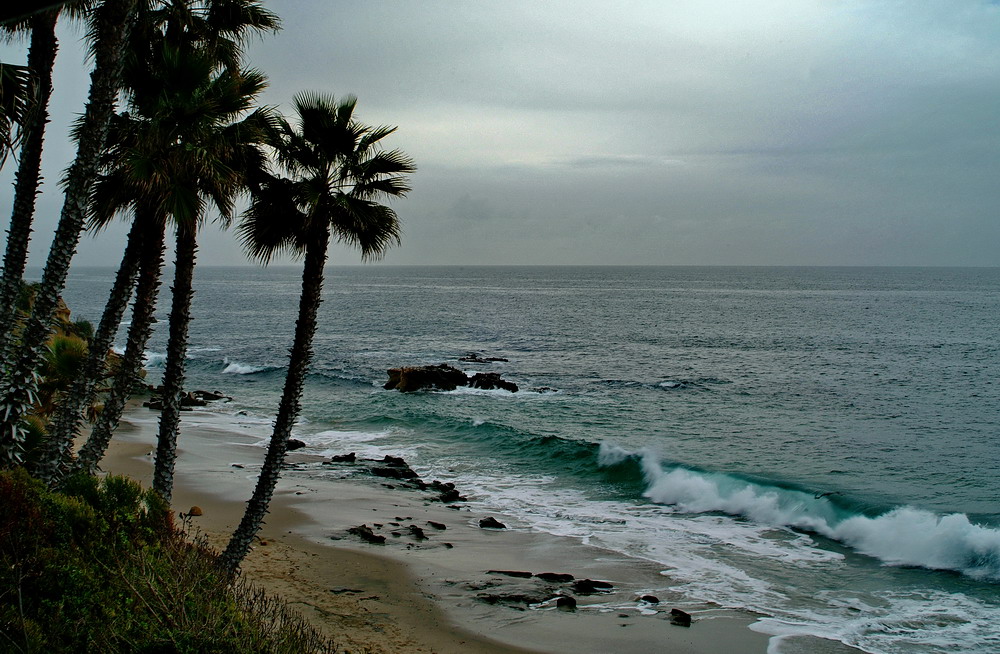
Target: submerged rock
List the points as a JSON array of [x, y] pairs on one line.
[[410, 379], [442, 377], [491, 380]]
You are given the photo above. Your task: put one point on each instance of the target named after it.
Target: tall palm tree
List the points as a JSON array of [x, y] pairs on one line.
[[158, 155], [109, 24], [338, 174], [41, 59]]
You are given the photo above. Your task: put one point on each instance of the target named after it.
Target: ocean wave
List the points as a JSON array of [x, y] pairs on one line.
[[237, 368], [902, 536], [153, 359]]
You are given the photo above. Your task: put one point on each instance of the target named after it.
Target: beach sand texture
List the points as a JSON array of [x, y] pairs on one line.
[[426, 589]]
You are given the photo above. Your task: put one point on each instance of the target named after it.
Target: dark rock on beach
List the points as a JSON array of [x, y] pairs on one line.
[[295, 444], [365, 533], [650, 599], [555, 577], [518, 601], [590, 586], [491, 523], [511, 573], [394, 473], [680, 618], [566, 603], [344, 458], [440, 526]]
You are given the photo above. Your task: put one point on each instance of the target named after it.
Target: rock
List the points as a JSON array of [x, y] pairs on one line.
[[344, 458], [365, 533], [156, 405], [680, 618], [440, 526], [409, 379], [394, 473], [491, 523], [190, 399], [442, 377], [589, 586], [295, 444], [395, 461], [195, 511], [566, 603], [510, 573], [474, 357], [555, 577], [490, 381], [210, 396], [518, 601], [650, 599], [417, 532]]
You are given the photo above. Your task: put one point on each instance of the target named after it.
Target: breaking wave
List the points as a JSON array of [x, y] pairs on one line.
[[903, 536]]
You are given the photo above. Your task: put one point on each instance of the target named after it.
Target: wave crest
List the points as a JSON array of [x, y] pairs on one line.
[[905, 535]]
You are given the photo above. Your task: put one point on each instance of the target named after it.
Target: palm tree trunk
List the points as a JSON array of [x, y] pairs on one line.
[[288, 409], [41, 58], [55, 455], [173, 373], [123, 385], [111, 22]]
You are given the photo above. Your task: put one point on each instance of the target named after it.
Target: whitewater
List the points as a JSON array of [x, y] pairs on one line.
[[818, 445]]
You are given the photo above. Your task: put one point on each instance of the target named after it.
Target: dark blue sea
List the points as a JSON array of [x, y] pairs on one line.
[[820, 445]]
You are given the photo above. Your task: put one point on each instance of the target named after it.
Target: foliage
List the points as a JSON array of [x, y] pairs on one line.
[[102, 567]]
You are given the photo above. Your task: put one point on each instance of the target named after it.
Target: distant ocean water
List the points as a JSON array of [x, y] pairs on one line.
[[817, 444]]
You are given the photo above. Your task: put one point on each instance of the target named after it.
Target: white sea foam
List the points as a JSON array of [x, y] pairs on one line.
[[237, 368], [153, 359], [902, 536]]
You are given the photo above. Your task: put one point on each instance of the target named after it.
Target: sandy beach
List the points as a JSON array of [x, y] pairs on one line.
[[440, 582]]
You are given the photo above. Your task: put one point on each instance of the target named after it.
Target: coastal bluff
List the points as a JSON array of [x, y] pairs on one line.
[[443, 377]]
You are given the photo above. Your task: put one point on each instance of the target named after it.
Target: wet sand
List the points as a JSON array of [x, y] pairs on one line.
[[432, 586]]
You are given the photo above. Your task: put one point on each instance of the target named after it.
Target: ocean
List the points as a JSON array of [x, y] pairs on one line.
[[818, 445]]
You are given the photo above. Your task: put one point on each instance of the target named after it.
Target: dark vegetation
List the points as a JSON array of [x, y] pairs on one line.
[[101, 567]]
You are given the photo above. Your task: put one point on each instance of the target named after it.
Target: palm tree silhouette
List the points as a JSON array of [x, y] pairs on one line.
[[338, 173]]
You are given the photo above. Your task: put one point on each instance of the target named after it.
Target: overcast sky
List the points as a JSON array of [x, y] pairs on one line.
[[786, 132]]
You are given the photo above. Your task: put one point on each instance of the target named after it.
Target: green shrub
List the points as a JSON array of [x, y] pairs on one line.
[[101, 567]]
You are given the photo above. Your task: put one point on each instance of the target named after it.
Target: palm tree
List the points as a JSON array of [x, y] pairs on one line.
[[109, 25], [41, 59], [14, 96], [154, 160], [338, 173]]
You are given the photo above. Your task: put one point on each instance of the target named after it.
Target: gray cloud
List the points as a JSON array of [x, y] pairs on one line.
[[772, 132]]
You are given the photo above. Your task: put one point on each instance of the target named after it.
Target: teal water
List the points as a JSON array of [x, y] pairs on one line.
[[817, 444]]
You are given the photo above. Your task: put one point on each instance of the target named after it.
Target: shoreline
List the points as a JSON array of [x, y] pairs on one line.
[[433, 585]]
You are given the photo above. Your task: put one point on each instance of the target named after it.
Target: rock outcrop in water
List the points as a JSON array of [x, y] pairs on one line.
[[443, 377]]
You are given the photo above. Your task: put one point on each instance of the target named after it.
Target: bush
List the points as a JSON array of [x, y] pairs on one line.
[[101, 567]]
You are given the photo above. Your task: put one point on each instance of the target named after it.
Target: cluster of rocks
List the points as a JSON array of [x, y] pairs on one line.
[[443, 377], [558, 588], [398, 470], [188, 400], [376, 533]]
